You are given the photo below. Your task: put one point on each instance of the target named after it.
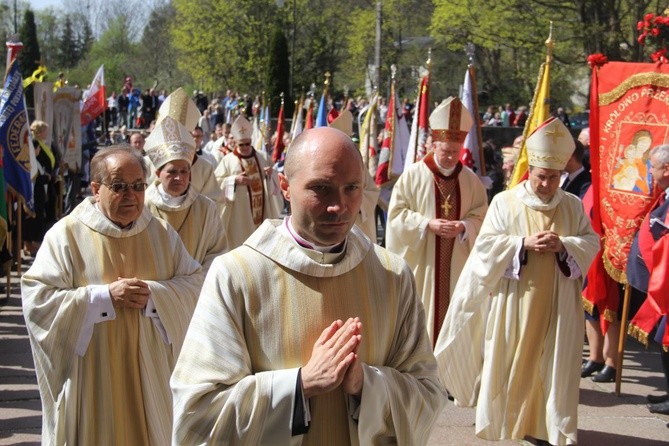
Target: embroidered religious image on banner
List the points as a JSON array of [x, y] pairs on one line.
[[629, 116]]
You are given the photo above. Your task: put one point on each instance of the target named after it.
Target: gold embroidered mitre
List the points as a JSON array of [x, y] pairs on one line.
[[169, 141], [550, 145], [180, 107]]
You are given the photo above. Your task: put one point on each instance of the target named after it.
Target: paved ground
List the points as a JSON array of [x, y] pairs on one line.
[[604, 418]]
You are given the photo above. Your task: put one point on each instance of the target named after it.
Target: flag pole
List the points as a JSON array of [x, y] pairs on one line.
[[622, 336], [19, 236]]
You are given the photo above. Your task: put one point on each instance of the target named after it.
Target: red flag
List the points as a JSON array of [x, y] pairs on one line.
[[95, 101], [657, 301], [332, 115], [278, 144], [309, 123]]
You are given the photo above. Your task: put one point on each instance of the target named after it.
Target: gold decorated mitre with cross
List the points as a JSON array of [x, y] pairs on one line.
[[241, 129], [450, 121], [181, 107], [550, 145], [169, 141]]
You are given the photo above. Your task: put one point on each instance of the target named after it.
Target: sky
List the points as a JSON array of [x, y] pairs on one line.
[[41, 4]]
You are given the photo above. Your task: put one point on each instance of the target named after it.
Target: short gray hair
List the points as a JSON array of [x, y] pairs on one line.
[[661, 153], [99, 162]]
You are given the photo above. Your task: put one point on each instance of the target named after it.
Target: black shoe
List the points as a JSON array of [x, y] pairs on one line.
[[662, 408], [589, 367], [606, 375], [655, 399]]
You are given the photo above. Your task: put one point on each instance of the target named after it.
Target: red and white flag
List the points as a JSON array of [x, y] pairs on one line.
[[395, 143], [470, 155], [94, 98], [420, 128]]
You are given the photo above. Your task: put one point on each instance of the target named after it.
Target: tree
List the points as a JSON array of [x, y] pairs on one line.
[[67, 48], [84, 37], [278, 72], [509, 55], [118, 54], [29, 57], [157, 52], [48, 35]]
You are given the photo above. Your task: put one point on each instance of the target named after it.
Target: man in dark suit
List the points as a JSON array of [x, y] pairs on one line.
[[578, 179], [651, 231]]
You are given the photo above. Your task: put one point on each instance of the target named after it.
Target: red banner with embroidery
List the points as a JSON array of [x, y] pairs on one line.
[[628, 117]]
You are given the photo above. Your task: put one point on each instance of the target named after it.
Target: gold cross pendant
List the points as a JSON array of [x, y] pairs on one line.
[[446, 206]]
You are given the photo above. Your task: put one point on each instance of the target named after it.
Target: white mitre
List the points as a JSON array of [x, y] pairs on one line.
[[550, 145], [169, 141], [181, 107]]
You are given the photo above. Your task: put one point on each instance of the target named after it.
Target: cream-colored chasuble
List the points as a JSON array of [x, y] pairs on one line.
[[526, 381], [197, 220], [117, 393], [261, 310]]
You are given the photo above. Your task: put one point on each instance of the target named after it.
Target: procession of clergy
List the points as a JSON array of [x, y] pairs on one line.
[[175, 307]]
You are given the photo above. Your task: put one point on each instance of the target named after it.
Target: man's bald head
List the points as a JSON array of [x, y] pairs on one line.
[[317, 143]]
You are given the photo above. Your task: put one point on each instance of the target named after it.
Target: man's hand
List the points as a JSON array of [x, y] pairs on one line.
[[446, 228], [129, 293], [242, 179], [268, 171], [331, 357], [544, 241], [354, 378]]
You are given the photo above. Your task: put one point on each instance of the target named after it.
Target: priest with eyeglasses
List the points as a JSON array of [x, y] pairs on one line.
[[107, 302]]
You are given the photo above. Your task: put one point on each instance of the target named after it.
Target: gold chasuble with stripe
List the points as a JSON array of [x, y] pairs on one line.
[[525, 309], [422, 193], [197, 221], [117, 392], [262, 308]]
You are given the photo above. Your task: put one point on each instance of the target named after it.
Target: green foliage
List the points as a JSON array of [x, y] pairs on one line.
[[67, 48], [157, 54], [29, 57], [119, 56], [215, 45], [278, 72], [510, 36], [204, 33]]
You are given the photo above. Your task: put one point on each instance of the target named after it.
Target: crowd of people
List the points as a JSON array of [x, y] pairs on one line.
[[183, 303]]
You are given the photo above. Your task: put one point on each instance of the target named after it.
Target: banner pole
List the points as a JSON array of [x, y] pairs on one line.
[[621, 339]]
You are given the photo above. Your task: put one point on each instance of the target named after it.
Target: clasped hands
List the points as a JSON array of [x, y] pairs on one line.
[[129, 293], [544, 241], [334, 360], [446, 228]]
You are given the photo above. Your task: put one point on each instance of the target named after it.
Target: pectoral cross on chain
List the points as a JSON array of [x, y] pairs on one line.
[[446, 206]]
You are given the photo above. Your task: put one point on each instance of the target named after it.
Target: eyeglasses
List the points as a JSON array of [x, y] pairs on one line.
[[118, 188], [244, 144]]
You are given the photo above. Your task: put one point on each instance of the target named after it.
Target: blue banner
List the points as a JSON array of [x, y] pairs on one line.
[[322, 116], [15, 136]]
